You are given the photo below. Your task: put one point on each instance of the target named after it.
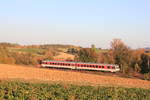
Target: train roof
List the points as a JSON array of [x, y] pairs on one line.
[[82, 62]]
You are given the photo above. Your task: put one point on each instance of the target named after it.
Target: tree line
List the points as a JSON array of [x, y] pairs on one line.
[[120, 54]]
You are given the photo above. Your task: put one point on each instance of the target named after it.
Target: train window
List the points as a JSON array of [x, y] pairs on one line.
[[113, 67], [85, 65], [108, 67], [96, 66], [102, 66]]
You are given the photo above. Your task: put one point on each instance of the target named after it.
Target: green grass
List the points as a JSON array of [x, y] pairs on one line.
[[103, 50], [28, 50], [38, 91]]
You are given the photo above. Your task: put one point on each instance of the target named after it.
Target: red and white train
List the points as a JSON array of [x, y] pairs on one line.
[[80, 66]]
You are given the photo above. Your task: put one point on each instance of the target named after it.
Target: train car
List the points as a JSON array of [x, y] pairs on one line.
[[80, 66]]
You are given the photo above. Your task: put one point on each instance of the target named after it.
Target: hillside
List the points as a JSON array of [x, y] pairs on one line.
[[64, 56], [53, 75]]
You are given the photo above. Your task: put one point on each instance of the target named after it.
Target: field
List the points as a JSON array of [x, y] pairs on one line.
[[63, 55], [53, 75], [28, 50], [36, 91]]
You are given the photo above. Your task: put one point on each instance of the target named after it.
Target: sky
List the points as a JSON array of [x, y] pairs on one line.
[[75, 22]]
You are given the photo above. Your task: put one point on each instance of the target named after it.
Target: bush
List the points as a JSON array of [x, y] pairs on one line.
[[147, 76]]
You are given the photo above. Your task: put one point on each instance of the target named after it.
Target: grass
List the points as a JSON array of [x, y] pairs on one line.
[[28, 50], [42, 91], [103, 51]]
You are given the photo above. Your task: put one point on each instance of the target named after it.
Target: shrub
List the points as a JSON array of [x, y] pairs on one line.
[[147, 76]]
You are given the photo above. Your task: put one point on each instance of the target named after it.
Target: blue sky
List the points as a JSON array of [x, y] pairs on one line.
[[77, 22]]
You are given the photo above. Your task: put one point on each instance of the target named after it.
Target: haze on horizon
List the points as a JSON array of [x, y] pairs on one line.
[[78, 22]]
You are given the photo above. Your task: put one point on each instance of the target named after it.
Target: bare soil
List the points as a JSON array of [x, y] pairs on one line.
[[54, 75]]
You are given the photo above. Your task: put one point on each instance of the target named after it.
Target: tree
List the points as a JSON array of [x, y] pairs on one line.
[[87, 55], [136, 59], [121, 54], [72, 51], [93, 46], [108, 57], [137, 67], [145, 64]]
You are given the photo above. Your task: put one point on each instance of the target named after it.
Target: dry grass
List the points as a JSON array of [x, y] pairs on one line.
[[64, 56], [52, 75]]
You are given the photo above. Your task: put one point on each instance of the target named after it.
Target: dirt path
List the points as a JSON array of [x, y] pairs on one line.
[[29, 73]]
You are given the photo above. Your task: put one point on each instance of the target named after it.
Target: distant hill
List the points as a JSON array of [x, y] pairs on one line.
[[147, 48]]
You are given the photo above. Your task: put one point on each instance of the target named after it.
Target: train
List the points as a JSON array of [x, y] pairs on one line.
[[79, 65]]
